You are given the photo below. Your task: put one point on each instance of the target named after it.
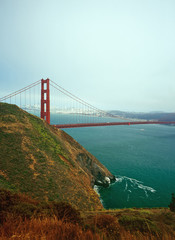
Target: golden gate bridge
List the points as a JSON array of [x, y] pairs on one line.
[[47, 99]]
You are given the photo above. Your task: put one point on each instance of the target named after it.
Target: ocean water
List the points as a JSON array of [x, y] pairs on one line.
[[142, 157]]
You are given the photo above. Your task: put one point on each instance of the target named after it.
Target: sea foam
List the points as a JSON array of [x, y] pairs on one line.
[[131, 184]]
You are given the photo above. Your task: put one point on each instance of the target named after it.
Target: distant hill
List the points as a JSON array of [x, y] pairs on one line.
[[46, 163], [160, 116]]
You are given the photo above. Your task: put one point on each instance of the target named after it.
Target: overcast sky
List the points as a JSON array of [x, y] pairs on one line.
[[115, 54]]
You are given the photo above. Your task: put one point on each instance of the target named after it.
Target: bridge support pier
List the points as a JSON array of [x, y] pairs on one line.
[[45, 100]]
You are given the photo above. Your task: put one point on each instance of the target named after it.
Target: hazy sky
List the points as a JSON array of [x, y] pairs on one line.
[[115, 54]]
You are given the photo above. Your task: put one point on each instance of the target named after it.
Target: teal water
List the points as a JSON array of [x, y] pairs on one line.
[[142, 157]]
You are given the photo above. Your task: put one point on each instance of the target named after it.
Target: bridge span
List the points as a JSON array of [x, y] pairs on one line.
[[77, 125], [36, 97]]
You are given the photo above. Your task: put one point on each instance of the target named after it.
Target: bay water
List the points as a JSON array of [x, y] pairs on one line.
[[142, 157]]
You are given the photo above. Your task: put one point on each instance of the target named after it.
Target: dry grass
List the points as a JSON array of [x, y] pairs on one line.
[[52, 229], [140, 236], [134, 224], [24, 218], [47, 228]]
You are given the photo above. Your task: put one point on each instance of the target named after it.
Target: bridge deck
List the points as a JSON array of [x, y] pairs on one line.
[[76, 125]]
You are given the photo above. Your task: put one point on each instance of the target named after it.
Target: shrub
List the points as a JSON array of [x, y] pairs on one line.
[[16, 205], [7, 199], [25, 210], [107, 224], [172, 203], [65, 212], [167, 217], [133, 223]]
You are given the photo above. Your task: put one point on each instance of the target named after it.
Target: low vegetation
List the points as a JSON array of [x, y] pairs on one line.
[[24, 218], [46, 164], [172, 203], [41, 161]]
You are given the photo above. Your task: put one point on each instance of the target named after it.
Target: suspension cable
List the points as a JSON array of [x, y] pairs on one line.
[[80, 100], [20, 91]]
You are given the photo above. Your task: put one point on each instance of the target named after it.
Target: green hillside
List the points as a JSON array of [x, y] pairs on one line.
[[46, 163]]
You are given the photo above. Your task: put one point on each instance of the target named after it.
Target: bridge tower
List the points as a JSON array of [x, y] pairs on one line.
[[45, 100]]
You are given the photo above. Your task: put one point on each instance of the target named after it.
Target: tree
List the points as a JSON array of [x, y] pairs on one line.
[[172, 203]]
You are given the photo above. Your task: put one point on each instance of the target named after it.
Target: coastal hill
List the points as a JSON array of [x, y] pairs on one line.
[[157, 116], [46, 163]]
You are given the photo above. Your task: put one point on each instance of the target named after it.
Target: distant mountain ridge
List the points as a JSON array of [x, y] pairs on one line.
[[46, 163], [159, 116]]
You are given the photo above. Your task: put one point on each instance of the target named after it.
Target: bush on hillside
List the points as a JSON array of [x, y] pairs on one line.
[[20, 205], [140, 224], [7, 199], [108, 224], [65, 212], [24, 210], [16, 205]]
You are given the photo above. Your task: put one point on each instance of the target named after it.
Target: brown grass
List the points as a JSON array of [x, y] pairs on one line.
[[47, 228], [51, 228], [24, 218]]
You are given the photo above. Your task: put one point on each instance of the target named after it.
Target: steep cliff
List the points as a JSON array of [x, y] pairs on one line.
[[46, 163]]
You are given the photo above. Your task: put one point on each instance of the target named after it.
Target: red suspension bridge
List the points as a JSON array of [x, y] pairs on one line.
[[62, 109]]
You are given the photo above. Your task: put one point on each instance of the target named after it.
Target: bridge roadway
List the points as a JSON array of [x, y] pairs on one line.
[[76, 125]]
